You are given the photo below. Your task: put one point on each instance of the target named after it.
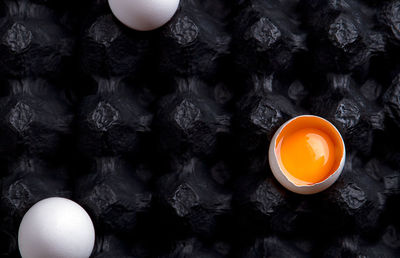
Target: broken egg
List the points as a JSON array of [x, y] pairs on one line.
[[307, 154]]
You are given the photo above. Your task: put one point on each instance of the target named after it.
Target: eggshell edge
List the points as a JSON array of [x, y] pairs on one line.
[[304, 189]]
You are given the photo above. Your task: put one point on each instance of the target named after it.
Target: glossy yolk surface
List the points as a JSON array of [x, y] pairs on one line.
[[308, 155]]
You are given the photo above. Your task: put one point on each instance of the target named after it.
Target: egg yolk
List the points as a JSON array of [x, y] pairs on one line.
[[308, 155]]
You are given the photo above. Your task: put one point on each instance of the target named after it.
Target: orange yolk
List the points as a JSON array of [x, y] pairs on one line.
[[308, 155]]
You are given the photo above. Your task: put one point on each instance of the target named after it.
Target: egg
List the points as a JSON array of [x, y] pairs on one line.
[[307, 154], [144, 15], [56, 227]]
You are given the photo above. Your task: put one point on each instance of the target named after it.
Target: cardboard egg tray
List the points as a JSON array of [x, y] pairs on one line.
[[163, 136]]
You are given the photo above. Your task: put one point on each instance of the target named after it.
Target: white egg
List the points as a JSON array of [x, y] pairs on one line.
[[56, 228], [280, 172], [144, 15]]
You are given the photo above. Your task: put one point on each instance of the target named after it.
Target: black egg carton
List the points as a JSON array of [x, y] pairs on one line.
[[162, 136]]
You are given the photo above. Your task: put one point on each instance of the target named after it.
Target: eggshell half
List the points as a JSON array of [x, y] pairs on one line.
[[286, 182]]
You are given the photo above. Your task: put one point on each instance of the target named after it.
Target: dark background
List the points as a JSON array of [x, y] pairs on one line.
[[162, 136]]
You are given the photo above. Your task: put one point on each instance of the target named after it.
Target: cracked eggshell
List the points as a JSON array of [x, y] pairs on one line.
[[285, 180]]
